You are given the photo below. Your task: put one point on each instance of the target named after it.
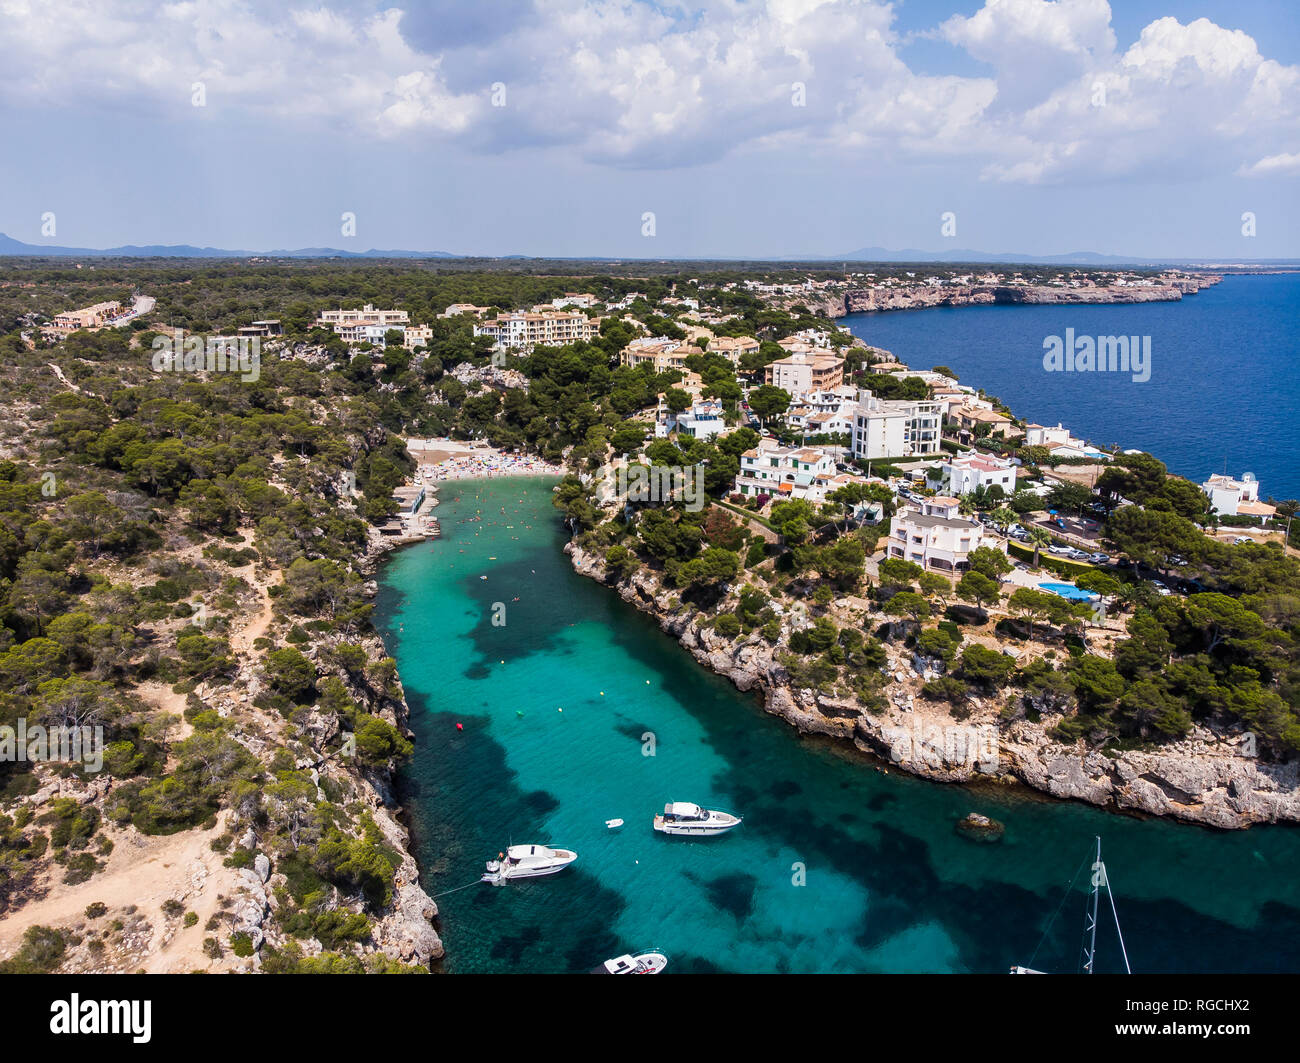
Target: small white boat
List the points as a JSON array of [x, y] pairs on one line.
[[643, 963], [683, 817], [613, 824], [527, 861]]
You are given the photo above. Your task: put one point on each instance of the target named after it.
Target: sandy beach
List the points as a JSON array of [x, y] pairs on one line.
[[448, 459]]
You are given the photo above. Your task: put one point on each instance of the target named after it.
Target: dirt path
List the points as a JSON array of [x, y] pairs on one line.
[[63, 379], [242, 639], [145, 871], [142, 871]]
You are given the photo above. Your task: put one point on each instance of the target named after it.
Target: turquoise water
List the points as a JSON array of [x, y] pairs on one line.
[[1069, 590], [1223, 393], [890, 884]]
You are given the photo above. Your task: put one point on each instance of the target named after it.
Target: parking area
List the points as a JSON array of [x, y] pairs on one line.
[[1086, 532]]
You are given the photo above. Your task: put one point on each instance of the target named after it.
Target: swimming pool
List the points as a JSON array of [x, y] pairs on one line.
[[1069, 590]]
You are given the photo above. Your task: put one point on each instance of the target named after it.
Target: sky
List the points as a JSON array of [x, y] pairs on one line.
[[653, 129]]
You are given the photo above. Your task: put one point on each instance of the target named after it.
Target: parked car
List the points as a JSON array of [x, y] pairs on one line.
[[1099, 559], [1242, 539], [1079, 555], [1057, 548], [1160, 588]]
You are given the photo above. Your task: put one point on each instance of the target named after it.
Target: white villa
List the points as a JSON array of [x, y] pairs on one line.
[[702, 420], [933, 535], [969, 472], [787, 472], [1061, 443], [1231, 498]]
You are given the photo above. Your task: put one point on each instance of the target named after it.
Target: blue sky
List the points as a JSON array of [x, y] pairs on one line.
[[746, 127]]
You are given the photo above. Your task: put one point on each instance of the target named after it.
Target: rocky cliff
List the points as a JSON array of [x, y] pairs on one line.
[[835, 304], [1204, 779]]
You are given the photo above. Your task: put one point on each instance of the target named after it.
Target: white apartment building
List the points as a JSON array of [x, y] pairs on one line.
[[550, 328], [1231, 497], [896, 428], [933, 535], [367, 314], [582, 300]]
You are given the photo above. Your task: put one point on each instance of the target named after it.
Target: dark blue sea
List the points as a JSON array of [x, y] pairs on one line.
[[1224, 389]]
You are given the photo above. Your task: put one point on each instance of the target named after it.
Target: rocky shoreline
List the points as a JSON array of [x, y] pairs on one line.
[[407, 931], [924, 296], [1206, 778]]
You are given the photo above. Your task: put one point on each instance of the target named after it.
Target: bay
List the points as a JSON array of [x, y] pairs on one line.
[[890, 885]]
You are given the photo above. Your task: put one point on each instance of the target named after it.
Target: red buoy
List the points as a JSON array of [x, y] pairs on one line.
[[460, 727]]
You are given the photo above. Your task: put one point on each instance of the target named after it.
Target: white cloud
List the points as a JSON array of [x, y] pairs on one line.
[[629, 83], [1282, 165]]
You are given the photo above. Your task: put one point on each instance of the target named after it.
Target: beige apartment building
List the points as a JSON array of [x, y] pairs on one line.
[[732, 348], [806, 371], [95, 316], [659, 353]]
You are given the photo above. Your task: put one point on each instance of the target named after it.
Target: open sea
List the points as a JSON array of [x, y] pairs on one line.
[[839, 866], [1224, 389]]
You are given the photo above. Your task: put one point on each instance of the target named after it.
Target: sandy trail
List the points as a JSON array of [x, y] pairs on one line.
[[143, 871], [146, 870]]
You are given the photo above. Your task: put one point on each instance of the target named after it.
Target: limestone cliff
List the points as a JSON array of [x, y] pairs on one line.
[[835, 303]]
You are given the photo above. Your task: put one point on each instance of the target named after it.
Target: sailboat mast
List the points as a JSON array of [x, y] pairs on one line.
[[1090, 927]]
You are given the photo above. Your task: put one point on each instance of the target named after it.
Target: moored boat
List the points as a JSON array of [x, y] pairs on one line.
[[642, 963], [684, 817], [527, 861]]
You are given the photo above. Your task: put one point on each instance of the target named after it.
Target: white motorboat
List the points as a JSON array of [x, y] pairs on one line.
[[683, 817], [613, 824], [643, 963], [527, 861]]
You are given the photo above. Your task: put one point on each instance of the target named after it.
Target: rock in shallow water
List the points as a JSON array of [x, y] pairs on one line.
[[980, 828]]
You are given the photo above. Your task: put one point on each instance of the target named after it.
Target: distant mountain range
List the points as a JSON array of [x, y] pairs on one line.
[[12, 247], [1076, 258]]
